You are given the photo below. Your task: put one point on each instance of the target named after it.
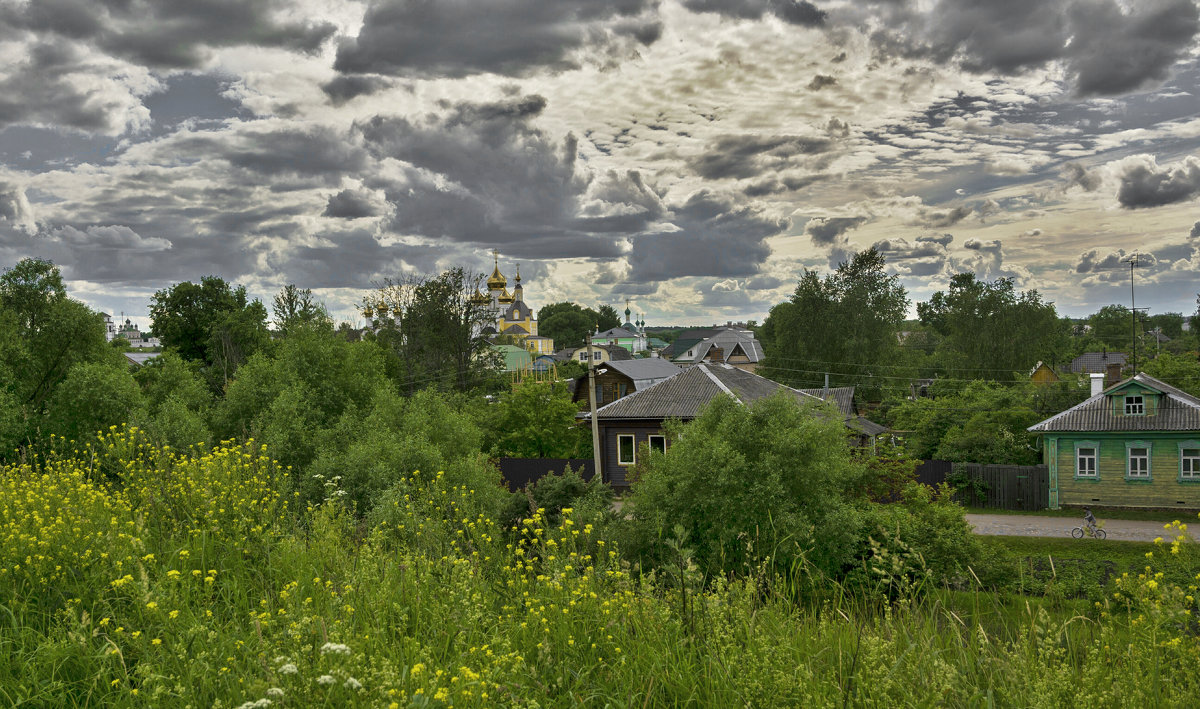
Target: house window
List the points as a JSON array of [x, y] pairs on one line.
[[658, 443], [1085, 461], [625, 449], [1134, 406], [1189, 461], [583, 356], [596, 355], [1138, 457], [622, 389]]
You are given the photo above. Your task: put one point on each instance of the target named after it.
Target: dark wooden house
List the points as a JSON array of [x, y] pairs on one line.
[[634, 423]]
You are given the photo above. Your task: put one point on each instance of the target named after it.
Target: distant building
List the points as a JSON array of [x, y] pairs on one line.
[[1042, 373], [514, 320], [1096, 362], [129, 332], [733, 346]]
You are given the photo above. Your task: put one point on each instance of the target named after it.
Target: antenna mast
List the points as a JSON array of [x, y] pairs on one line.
[[1133, 262]]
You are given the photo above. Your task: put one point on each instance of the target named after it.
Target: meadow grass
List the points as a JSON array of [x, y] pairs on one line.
[[147, 577]]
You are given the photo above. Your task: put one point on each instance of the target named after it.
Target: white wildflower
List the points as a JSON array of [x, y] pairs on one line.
[[288, 669], [352, 683], [280, 658], [325, 680], [335, 649], [275, 692], [260, 704]]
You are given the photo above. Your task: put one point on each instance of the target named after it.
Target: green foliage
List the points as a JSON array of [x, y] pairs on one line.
[[296, 307], [979, 423], [589, 500], [433, 336], [568, 323], [858, 309], [537, 420], [92, 397], [210, 322], [377, 447], [993, 328], [750, 483], [1180, 371], [1112, 328]]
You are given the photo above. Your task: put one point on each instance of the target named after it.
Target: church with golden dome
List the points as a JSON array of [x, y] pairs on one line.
[[515, 322]]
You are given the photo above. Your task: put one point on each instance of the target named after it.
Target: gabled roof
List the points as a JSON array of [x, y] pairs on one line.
[[685, 394], [729, 341], [1095, 362], [645, 372], [137, 359], [1178, 411], [843, 399], [616, 332]]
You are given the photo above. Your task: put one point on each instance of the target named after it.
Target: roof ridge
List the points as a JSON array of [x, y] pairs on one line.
[[719, 383]]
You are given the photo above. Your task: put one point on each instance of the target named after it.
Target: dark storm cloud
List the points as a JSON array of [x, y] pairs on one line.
[[1195, 231], [825, 232], [1086, 35], [714, 237], [350, 204], [56, 85], [1113, 265], [776, 185], [820, 81], [167, 33], [1077, 175], [1145, 184], [742, 156], [455, 38], [346, 88], [483, 173], [796, 12], [1148, 40]]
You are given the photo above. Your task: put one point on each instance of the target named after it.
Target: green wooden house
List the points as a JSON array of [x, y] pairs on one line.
[[1134, 444]]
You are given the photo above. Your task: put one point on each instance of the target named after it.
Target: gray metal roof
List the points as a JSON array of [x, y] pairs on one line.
[[1178, 411], [140, 358], [728, 341], [616, 332], [1095, 362], [843, 399], [645, 372], [685, 394]]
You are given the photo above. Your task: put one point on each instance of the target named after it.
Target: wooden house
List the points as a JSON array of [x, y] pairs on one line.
[[634, 422], [1134, 444], [1042, 373], [618, 378]]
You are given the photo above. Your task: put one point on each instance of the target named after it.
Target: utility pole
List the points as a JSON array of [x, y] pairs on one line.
[[1133, 262], [592, 403]]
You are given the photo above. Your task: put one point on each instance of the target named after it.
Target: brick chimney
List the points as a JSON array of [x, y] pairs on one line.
[[1113, 374]]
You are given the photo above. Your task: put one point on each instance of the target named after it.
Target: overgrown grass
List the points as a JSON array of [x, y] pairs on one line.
[[146, 592]]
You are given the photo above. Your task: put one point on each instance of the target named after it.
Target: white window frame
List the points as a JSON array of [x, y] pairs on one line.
[[1135, 408], [1094, 447], [583, 357], [656, 436], [632, 449], [596, 355], [1130, 447], [1189, 466]]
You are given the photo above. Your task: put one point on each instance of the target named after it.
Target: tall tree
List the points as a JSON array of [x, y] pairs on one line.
[[210, 322], [434, 331], [537, 420], [1113, 328], [992, 328], [607, 317], [296, 307], [844, 323]]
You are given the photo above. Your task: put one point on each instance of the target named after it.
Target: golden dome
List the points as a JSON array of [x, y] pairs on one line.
[[497, 281]]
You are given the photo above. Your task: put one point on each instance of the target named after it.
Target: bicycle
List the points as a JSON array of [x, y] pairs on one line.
[[1090, 530]]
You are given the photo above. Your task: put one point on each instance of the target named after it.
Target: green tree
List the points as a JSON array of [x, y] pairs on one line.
[[1112, 328], [1180, 371], [846, 322], [210, 322], [569, 323], [607, 317], [296, 307], [49, 334], [983, 422], [92, 397], [537, 420], [751, 482], [992, 328], [434, 333]]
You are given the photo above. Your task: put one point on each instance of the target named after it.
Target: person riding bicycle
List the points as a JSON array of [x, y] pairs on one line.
[[1089, 519]]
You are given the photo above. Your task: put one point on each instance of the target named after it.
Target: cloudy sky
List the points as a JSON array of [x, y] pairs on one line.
[[693, 155]]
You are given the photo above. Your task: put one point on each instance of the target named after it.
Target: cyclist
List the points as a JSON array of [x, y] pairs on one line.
[[1090, 520]]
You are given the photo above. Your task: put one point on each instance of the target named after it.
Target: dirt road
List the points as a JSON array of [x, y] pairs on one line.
[[1035, 526]]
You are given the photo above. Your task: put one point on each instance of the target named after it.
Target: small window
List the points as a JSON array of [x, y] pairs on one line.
[[1085, 462], [596, 355], [583, 356], [622, 389], [1189, 463], [1139, 463], [658, 443], [625, 449], [1134, 406]]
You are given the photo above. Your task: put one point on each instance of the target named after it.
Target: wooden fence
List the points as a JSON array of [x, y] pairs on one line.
[[520, 472], [1009, 487]]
